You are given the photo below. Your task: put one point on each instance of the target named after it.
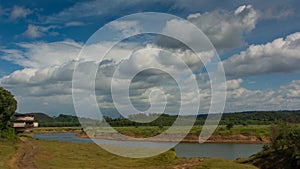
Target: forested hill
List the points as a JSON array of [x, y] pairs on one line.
[[239, 118], [59, 121], [242, 118], [41, 117], [257, 117]]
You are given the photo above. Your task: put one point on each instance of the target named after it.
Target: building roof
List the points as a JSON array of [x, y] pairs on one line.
[[24, 115], [16, 121]]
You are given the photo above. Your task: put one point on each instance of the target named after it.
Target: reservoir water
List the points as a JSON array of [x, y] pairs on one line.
[[226, 151]]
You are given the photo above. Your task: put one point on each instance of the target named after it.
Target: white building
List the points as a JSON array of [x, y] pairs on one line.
[[24, 123]]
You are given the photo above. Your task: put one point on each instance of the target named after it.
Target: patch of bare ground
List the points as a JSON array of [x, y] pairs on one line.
[[188, 163], [23, 159], [190, 138]]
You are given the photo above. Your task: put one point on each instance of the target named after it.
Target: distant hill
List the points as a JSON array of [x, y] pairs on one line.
[[255, 117], [42, 117], [61, 120], [259, 117], [238, 118]]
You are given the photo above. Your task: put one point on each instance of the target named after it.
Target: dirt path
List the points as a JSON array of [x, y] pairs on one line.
[[24, 157], [188, 163]]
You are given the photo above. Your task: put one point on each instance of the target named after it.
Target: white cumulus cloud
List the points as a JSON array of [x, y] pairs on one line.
[[224, 28], [19, 12], [282, 55], [42, 54], [128, 28], [34, 31]]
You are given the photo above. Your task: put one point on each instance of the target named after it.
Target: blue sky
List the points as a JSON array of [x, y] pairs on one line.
[[258, 43]]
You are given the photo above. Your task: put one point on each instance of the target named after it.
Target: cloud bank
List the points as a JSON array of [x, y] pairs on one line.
[[279, 56]]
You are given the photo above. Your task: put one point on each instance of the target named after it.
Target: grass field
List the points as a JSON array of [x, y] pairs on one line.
[[218, 163], [249, 130], [147, 131], [7, 149]]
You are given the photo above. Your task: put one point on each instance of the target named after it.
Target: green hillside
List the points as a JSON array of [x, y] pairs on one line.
[[42, 117], [239, 118]]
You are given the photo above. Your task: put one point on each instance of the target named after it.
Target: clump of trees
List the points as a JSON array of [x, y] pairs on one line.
[[229, 126], [8, 106], [59, 121], [162, 120], [63, 120], [284, 150]]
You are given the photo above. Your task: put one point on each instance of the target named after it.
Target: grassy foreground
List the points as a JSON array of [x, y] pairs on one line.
[[55, 154], [7, 150]]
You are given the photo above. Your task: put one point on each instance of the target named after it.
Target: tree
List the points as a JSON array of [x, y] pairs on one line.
[[8, 106], [229, 126], [283, 151]]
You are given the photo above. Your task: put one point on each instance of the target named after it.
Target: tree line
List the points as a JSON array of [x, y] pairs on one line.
[[239, 118], [230, 119]]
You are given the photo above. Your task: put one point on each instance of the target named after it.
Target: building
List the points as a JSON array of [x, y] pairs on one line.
[[24, 123]]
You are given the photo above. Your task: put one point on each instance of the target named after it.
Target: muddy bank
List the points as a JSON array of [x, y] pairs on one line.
[[47, 130], [190, 138]]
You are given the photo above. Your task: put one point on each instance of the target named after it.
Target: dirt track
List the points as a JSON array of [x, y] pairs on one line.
[[24, 158], [188, 163]]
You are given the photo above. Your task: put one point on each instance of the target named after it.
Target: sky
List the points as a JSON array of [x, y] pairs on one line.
[[258, 43]]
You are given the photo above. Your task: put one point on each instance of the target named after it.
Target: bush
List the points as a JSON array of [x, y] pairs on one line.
[[8, 133], [284, 150], [229, 126]]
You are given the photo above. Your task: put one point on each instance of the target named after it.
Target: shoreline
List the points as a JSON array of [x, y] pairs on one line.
[[230, 139], [190, 138], [50, 130]]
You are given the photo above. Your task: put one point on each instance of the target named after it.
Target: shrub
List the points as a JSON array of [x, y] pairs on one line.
[[229, 126], [284, 150], [8, 133]]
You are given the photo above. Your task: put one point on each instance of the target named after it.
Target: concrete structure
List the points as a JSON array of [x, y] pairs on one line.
[[24, 123]]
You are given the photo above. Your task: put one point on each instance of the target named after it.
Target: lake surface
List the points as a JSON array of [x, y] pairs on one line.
[[226, 151]]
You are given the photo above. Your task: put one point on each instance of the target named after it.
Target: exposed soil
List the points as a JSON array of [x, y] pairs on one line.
[[188, 163], [24, 157], [238, 138], [50, 131], [188, 139]]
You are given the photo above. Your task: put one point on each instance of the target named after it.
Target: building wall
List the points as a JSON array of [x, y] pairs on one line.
[[35, 124], [18, 124]]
